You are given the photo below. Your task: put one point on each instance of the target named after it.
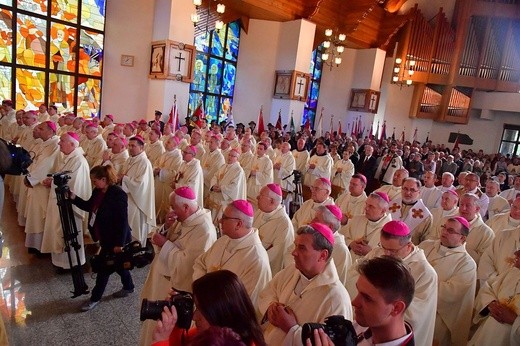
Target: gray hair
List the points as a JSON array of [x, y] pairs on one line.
[[319, 242], [329, 219], [246, 220]]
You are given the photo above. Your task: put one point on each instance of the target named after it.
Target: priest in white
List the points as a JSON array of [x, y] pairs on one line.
[[72, 160], [283, 167], [227, 185], [362, 233], [118, 154], [509, 219], [239, 250], [456, 272], [394, 191], [94, 145], [342, 171], [301, 156], [480, 235], [190, 174], [320, 195], [513, 192], [352, 202], [246, 157], [261, 173], [154, 148], [166, 170], [319, 165], [274, 225], [211, 162], [309, 290], [430, 194], [396, 241], [187, 233], [137, 181], [497, 309], [497, 203], [44, 162], [448, 209]]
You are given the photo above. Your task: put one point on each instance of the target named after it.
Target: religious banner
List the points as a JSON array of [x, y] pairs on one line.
[[172, 60]]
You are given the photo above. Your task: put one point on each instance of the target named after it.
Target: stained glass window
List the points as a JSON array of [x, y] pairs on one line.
[[213, 84], [309, 111], [58, 53]]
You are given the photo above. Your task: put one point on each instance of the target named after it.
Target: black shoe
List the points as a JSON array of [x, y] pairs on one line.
[[122, 293]]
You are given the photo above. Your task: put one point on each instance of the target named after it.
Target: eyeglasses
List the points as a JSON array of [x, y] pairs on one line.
[[405, 189], [224, 217], [450, 230], [392, 251]]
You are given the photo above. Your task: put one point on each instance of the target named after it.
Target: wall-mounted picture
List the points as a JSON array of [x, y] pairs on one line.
[[180, 60], [282, 86], [301, 86], [364, 100], [157, 58]]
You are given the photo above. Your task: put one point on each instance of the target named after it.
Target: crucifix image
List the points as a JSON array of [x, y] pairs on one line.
[[373, 102], [299, 87], [179, 61]]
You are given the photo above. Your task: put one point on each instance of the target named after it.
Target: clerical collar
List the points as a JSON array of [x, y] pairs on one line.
[[325, 153], [412, 203], [301, 150], [302, 283]]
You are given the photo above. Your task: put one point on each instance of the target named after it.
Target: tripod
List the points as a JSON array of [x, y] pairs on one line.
[[297, 200], [70, 231]]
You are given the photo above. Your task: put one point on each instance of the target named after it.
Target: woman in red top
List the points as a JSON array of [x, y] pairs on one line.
[[220, 300]]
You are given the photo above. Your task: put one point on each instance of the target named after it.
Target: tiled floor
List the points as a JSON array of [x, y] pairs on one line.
[[36, 304]]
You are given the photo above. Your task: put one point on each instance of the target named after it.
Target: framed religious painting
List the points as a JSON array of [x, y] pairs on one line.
[[300, 86], [158, 60], [181, 59], [364, 100], [283, 84]]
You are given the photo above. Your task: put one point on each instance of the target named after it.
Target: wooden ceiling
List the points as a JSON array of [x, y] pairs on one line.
[[367, 23]]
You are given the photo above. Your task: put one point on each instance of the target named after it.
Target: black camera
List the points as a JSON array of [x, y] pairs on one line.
[[183, 302], [340, 331], [16, 160], [60, 179], [297, 176], [133, 255]]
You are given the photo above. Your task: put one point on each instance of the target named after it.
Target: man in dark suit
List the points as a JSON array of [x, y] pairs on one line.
[[367, 166], [158, 116]]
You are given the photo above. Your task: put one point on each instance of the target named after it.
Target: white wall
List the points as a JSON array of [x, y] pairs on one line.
[[256, 67], [128, 31]]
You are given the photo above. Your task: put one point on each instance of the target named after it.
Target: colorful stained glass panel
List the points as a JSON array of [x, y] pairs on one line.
[[93, 14], [5, 82], [6, 2], [89, 95], [202, 43], [233, 37], [225, 107], [228, 82], [216, 44], [6, 36], [36, 6], [91, 53], [30, 91], [61, 91], [199, 77], [66, 10], [211, 107], [61, 53], [194, 102], [31, 38], [214, 75]]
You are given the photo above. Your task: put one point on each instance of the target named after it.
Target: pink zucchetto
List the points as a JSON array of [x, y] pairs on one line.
[[275, 188], [325, 181], [51, 125], [383, 196], [142, 121], [335, 210], [462, 221], [110, 116], [176, 140], [123, 140], [186, 192], [235, 150], [73, 135], [157, 132], [244, 206], [360, 176], [193, 149], [91, 124], [397, 228], [324, 230], [453, 192], [138, 138]]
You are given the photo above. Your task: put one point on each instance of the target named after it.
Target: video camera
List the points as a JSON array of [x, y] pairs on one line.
[[340, 331], [183, 302], [60, 179], [133, 255], [17, 161]]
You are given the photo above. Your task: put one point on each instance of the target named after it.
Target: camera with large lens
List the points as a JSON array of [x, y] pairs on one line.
[[133, 255], [183, 302], [340, 331], [297, 176], [60, 179]]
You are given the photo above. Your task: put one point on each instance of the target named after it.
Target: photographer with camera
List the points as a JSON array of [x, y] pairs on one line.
[[221, 300], [108, 224]]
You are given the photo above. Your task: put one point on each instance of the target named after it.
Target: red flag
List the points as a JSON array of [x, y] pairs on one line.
[[307, 125], [402, 136], [260, 127], [456, 144], [360, 131], [331, 126], [383, 133], [174, 116], [370, 135], [279, 121], [339, 129], [354, 131], [198, 114], [414, 139]]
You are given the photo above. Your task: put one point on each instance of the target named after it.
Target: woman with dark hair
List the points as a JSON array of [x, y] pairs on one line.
[[220, 300], [108, 224]]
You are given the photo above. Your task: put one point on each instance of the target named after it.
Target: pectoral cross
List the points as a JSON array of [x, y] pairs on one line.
[[180, 58]]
